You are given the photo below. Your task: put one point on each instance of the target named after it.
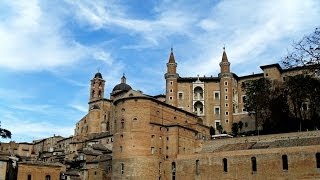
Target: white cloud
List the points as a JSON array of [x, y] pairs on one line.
[[33, 39]]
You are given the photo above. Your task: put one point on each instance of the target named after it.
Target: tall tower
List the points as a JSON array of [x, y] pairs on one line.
[[171, 81], [226, 88], [97, 88]]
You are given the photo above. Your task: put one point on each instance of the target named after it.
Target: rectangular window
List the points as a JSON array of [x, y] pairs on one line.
[[217, 110], [152, 150], [226, 97], [227, 113], [216, 95], [122, 168], [216, 123], [180, 95], [243, 98], [226, 83]]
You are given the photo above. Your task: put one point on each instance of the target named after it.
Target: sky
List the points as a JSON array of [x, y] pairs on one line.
[[50, 50]]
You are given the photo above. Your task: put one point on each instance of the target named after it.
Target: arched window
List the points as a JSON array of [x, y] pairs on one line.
[[198, 107], [92, 93], [318, 159], [108, 126], [225, 165], [29, 176], [99, 94], [198, 93], [197, 167], [173, 170], [48, 177], [254, 164], [284, 162]]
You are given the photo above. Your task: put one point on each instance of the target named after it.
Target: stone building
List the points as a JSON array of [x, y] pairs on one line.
[[218, 100], [131, 135]]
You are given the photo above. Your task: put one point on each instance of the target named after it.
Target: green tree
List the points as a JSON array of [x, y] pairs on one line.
[[257, 101], [240, 125], [220, 128], [304, 94], [235, 129], [4, 133], [212, 131]]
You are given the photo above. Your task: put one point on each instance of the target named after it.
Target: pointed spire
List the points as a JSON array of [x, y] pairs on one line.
[[171, 58], [224, 55], [123, 79]]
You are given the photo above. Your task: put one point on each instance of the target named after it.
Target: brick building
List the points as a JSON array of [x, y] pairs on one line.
[[131, 135]]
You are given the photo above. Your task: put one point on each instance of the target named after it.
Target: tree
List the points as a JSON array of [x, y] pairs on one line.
[[305, 52], [4, 133], [258, 99], [235, 129], [212, 131], [240, 125], [220, 128], [304, 95]]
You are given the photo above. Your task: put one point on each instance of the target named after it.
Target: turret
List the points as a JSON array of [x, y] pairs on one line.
[[97, 87], [171, 81]]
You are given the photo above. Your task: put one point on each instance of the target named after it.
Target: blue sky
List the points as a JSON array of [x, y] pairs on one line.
[[49, 50]]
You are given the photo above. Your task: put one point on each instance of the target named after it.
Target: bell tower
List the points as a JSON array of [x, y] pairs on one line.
[[97, 88], [226, 88], [171, 81]]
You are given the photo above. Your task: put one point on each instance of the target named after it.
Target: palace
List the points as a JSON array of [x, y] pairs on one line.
[[131, 135]]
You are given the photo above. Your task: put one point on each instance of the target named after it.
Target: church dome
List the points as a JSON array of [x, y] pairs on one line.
[[123, 86], [98, 75]]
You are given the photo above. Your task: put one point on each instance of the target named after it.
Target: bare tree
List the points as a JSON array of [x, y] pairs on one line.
[[305, 52]]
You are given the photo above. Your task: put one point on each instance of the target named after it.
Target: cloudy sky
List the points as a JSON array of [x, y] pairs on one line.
[[49, 50]]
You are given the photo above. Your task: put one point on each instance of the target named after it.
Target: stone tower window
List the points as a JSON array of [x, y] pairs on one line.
[[197, 167], [225, 165], [29, 176], [122, 123], [173, 170], [198, 93], [99, 94], [216, 95], [254, 164], [122, 168], [284, 162], [226, 83], [318, 159], [48, 177], [92, 93]]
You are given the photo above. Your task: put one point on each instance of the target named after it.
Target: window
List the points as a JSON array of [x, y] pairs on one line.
[[48, 177], [227, 113], [284, 78], [225, 165], [171, 82], [216, 123], [180, 95], [216, 95], [152, 136], [226, 89], [267, 74], [122, 168], [29, 176], [226, 97], [254, 164], [284, 162], [152, 150], [243, 98], [160, 169], [122, 123], [99, 94], [226, 83], [121, 148], [227, 105], [170, 97], [173, 170], [227, 120], [92, 93], [197, 167], [171, 90], [217, 110], [167, 138], [305, 106], [318, 159]]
